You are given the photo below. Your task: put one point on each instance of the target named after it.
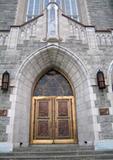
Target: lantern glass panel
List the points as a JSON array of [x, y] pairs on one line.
[[6, 78], [5, 81], [100, 80]]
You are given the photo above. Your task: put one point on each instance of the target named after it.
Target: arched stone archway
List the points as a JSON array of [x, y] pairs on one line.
[[110, 76], [110, 85], [51, 57]]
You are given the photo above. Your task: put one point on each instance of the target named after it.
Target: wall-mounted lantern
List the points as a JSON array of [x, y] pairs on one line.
[[101, 80], [5, 81]]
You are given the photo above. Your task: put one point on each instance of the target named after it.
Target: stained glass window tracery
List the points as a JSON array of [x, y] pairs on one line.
[[53, 84]]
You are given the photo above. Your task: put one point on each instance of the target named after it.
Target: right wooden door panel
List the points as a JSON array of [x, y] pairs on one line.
[[64, 120]]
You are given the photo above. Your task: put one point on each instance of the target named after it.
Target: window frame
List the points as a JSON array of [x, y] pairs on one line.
[[71, 8], [63, 6]]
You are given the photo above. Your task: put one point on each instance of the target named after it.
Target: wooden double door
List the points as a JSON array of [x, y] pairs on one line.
[[53, 120]]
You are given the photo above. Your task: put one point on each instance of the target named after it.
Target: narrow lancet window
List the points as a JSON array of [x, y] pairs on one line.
[[52, 25], [70, 8]]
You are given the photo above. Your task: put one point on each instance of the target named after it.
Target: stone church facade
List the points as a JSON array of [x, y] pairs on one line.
[[53, 60]]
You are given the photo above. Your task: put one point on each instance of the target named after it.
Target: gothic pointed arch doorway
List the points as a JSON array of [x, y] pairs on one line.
[[53, 110]]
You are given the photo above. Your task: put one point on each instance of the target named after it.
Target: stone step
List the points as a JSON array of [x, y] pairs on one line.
[[60, 157], [76, 153], [57, 152], [58, 146], [50, 153]]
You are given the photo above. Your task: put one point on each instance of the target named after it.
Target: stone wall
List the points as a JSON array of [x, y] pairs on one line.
[[4, 120], [7, 13], [101, 13], [97, 12]]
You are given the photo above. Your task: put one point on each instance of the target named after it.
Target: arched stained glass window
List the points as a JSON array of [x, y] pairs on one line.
[[35, 7], [46, 2], [58, 2], [70, 8], [53, 84]]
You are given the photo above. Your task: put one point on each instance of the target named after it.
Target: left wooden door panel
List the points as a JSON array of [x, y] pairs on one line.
[[42, 121]]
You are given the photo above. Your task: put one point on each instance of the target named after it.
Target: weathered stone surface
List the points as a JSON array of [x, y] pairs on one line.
[[3, 137], [106, 118], [4, 120], [101, 13], [106, 135], [7, 13]]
